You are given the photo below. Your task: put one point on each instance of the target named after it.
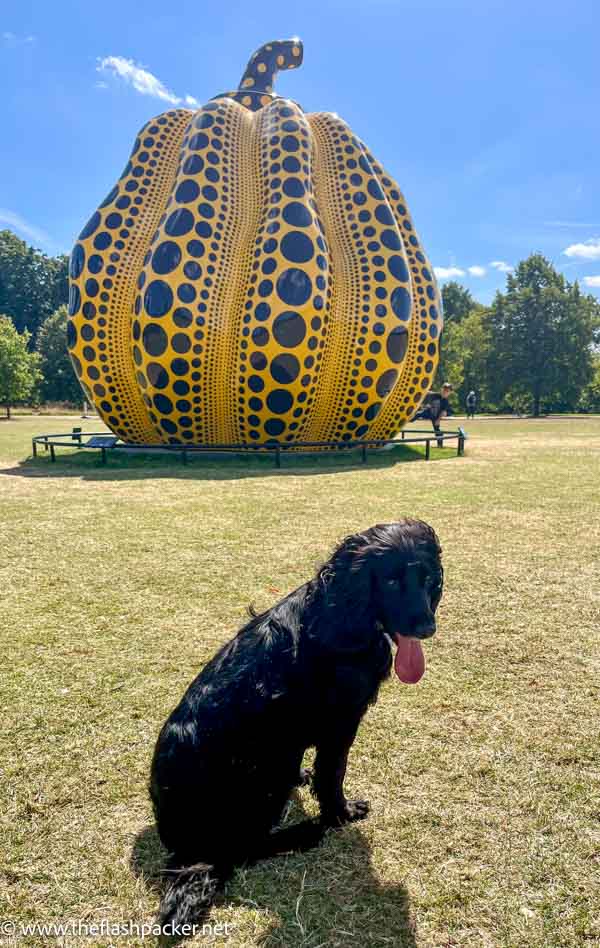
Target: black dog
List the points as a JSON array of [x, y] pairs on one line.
[[300, 675]]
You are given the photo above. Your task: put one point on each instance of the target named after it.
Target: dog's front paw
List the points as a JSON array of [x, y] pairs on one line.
[[351, 811]]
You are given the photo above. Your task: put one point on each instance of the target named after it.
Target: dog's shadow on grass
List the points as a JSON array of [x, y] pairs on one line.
[[328, 896]]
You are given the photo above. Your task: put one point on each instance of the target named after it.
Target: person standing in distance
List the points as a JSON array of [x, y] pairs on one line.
[[437, 406], [471, 403]]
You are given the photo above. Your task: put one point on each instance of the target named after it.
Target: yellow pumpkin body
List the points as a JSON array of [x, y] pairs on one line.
[[253, 276]]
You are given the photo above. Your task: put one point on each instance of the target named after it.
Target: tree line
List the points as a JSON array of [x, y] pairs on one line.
[[535, 348]]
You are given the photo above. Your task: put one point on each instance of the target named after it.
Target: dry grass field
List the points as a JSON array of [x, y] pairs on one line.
[[117, 584]]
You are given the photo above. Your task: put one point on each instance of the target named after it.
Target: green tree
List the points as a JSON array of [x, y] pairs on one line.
[[457, 302], [465, 354], [19, 373], [32, 285], [590, 397], [541, 332], [59, 382]]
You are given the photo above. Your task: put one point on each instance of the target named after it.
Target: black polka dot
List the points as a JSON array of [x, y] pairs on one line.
[[193, 164], [186, 293], [192, 270], [400, 301], [279, 401], [297, 214], [258, 360], [157, 375], [293, 187], [102, 240], [182, 317], [372, 411], [198, 141], [385, 382], [77, 261], [397, 343], [384, 215], [154, 339], [71, 334], [95, 263], [180, 366], [74, 299], [179, 222], [398, 268], [163, 404], [91, 226], [158, 298], [195, 248], [374, 190], [255, 383], [260, 336], [391, 240], [181, 343], [113, 221], [262, 311], [274, 426], [291, 164], [186, 192], [289, 329], [166, 257], [297, 247], [294, 286], [285, 368]]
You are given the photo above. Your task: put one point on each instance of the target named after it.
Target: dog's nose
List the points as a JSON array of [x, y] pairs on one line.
[[423, 630]]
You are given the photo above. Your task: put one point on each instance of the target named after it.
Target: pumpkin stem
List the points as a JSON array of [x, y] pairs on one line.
[[267, 61]]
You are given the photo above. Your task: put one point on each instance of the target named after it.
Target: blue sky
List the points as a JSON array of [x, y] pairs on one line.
[[487, 113]]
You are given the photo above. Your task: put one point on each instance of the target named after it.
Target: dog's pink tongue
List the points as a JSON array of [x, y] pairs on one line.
[[409, 663]]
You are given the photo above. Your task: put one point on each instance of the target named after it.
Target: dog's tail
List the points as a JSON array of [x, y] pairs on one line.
[[189, 893]]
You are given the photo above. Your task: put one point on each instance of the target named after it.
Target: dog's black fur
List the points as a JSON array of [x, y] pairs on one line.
[[300, 675]]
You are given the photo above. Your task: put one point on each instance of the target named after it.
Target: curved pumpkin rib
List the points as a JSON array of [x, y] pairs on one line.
[[423, 350], [284, 324], [104, 267], [188, 308], [371, 305]]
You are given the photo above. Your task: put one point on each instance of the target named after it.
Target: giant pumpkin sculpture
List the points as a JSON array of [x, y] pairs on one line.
[[254, 276]]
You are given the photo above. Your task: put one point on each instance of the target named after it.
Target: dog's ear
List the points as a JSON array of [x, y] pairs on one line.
[[348, 617]]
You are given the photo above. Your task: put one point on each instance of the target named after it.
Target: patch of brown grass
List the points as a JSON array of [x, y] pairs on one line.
[[118, 584]]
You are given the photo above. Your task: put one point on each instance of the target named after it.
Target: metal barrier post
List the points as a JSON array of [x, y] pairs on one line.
[[277, 456], [364, 454], [103, 455], [34, 447], [427, 449], [52, 454]]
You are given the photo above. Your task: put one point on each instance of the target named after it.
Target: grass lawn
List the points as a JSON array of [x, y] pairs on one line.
[[118, 583]]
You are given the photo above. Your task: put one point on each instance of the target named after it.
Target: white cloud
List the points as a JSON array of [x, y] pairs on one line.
[[14, 40], [446, 273], [18, 223], [501, 266], [142, 80], [589, 250], [476, 271], [592, 281]]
